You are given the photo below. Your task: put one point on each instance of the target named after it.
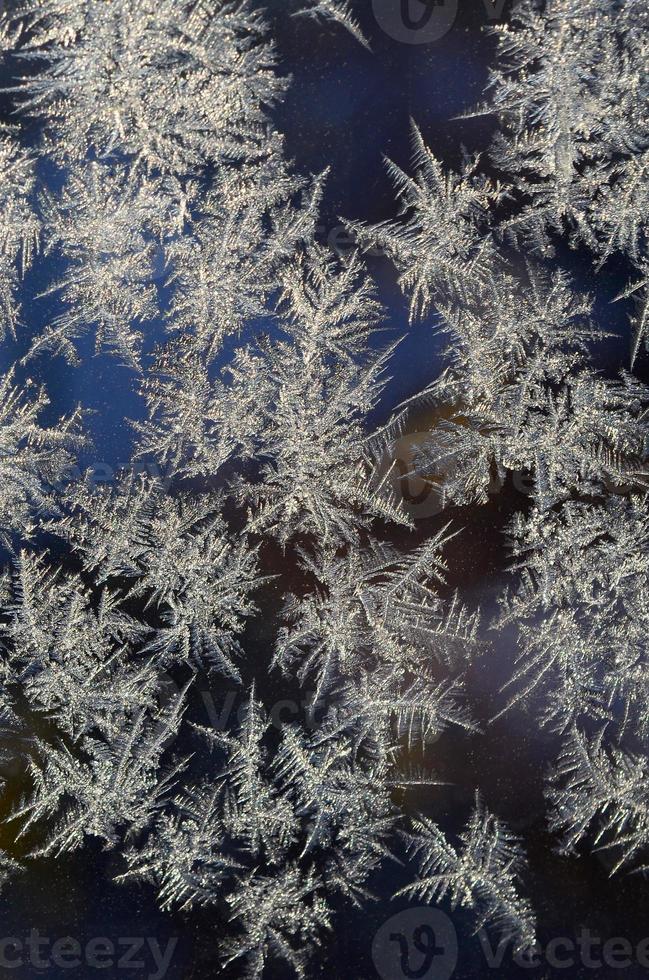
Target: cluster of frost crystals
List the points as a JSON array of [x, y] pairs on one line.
[[115, 787], [19, 224], [295, 406], [581, 608], [172, 208], [570, 89], [519, 402], [280, 917], [176, 555], [72, 660], [108, 224], [171, 83], [378, 643], [186, 856], [241, 234], [518, 393], [482, 873], [277, 832], [34, 460], [313, 391], [600, 791], [439, 246]]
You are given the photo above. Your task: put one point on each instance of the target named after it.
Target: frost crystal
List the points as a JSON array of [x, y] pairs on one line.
[[339, 12], [176, 554], [33, 459], [601, 788], [482, 873], [19, 224], [172, 84], [110, 227], [116, 791]]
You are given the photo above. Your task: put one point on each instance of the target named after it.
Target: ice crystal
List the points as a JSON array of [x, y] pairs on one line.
[[569, 89], [482, 873], [115, 790], [296, 405], [580, 609], [280, 917], [73, 661], [110, 226], [522, 399], [440, 244], [601, 790], [339, 12], [176, 554], [19, 225], [34, 460], [173, 85], [378, 631]]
